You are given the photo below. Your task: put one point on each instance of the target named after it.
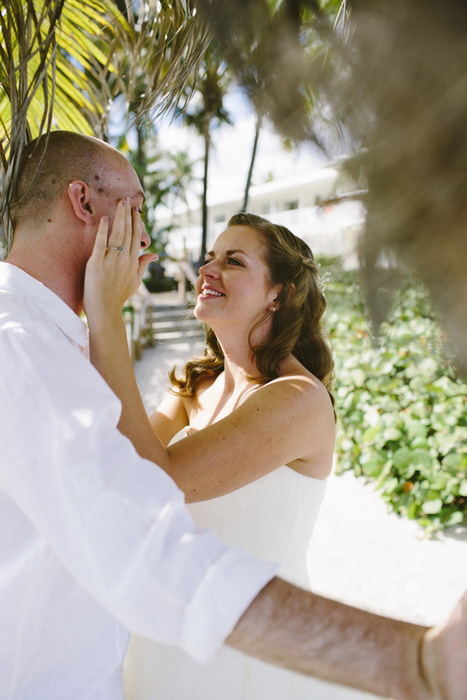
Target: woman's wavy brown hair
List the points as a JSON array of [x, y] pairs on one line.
[[296, 325]]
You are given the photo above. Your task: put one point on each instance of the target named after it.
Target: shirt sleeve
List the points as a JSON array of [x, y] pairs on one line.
[[118, 523]]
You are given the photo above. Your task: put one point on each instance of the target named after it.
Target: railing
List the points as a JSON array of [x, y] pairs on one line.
[[138, 322], [138, 313], [185, 272]]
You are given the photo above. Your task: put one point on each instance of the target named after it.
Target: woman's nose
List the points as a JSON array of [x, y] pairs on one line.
[[209, 269]]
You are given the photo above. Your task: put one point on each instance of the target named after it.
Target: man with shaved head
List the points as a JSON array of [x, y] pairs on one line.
[[96, 541], [67, 183]]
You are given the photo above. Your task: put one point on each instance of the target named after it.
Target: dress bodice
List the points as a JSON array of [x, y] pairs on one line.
[[272, 518]]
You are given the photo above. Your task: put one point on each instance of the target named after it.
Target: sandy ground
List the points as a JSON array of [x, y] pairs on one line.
[[359, 552]]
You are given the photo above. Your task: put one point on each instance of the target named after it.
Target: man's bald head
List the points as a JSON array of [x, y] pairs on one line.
[[50, 163]]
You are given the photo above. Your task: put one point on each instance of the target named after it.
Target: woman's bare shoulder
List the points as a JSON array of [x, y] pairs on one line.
[[293, 373], [316, 418]]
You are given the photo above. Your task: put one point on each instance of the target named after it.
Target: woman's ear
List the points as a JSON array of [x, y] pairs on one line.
[[79, 195], [292, 290], [277, 291], [283, 293]]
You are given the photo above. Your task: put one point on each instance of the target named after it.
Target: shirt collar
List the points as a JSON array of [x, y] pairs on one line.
[[13, 279]]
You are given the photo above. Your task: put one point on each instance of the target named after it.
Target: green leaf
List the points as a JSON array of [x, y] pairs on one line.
[[403, 458], [370, 433], [372, 467], [433, 506], [455, 518], [392, 434]]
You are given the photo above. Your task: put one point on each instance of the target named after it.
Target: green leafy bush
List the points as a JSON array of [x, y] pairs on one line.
[[401, 409]]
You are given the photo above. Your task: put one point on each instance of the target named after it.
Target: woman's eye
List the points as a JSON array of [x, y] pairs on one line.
[[233, 261]]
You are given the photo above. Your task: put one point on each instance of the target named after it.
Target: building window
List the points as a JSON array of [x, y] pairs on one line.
[[293, 204], [219, 218]]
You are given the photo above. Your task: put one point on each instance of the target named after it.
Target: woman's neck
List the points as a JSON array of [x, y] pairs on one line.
[[239, 359]]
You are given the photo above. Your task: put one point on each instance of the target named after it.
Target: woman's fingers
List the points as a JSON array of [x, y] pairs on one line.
[[143, 262], [100, 243], [126, 229], [121, 227], [136, 233]]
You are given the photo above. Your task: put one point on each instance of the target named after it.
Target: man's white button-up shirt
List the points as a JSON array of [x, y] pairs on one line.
[[94, 540]]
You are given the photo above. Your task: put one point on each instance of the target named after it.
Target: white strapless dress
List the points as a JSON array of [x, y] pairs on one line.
[[272, 518]]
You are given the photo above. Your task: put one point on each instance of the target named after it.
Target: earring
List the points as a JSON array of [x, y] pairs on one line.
[[273, 308]]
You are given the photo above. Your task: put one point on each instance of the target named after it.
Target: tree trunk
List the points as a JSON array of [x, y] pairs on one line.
[[259, 120], [204, 233], [140, 150]]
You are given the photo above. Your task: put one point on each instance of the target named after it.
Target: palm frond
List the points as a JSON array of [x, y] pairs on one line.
[[48, 58], [163, 47], [281, 53]]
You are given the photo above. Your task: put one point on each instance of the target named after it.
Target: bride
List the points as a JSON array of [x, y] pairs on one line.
[[247, 431]]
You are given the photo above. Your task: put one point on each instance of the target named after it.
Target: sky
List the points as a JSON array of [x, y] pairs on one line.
[[231, 151]]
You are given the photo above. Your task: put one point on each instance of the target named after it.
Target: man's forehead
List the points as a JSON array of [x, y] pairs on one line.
[[122, 176]]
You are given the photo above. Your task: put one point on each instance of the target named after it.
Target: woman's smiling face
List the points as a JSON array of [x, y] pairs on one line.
[[234, 282]]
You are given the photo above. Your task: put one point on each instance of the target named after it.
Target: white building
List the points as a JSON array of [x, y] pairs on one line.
[[294, 202]]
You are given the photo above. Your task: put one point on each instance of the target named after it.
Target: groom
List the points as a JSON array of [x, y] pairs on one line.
[[96, 541]]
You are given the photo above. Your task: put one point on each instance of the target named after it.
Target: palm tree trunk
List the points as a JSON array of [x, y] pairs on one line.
[[140, 149], [204, 233], [259, 121]]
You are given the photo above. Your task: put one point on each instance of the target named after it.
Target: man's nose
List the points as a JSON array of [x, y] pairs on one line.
[[145, 240]]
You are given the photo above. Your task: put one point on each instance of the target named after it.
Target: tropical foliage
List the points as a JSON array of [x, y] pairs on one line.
[[401, 408], [167, 177], [62, 62], [47, 60], [52, 63], [205, 112]]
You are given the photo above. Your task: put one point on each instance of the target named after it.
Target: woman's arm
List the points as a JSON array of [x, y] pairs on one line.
[[111, 277], [169, 418], [286, 420]]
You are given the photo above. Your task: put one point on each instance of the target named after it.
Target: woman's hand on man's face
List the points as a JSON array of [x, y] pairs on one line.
[[115, 269]]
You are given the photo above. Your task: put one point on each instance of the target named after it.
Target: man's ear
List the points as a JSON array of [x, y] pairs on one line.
[[80, 198]]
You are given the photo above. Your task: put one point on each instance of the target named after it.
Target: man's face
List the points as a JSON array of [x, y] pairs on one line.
[[120, 181]]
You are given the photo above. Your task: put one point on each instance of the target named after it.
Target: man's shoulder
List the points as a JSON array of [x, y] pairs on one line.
[[17, 313]]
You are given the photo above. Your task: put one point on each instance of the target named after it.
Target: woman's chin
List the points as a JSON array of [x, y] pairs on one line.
[[200, 313]]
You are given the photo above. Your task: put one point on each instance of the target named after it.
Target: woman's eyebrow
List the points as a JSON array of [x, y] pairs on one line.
[[232, 252], [228, 253]]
